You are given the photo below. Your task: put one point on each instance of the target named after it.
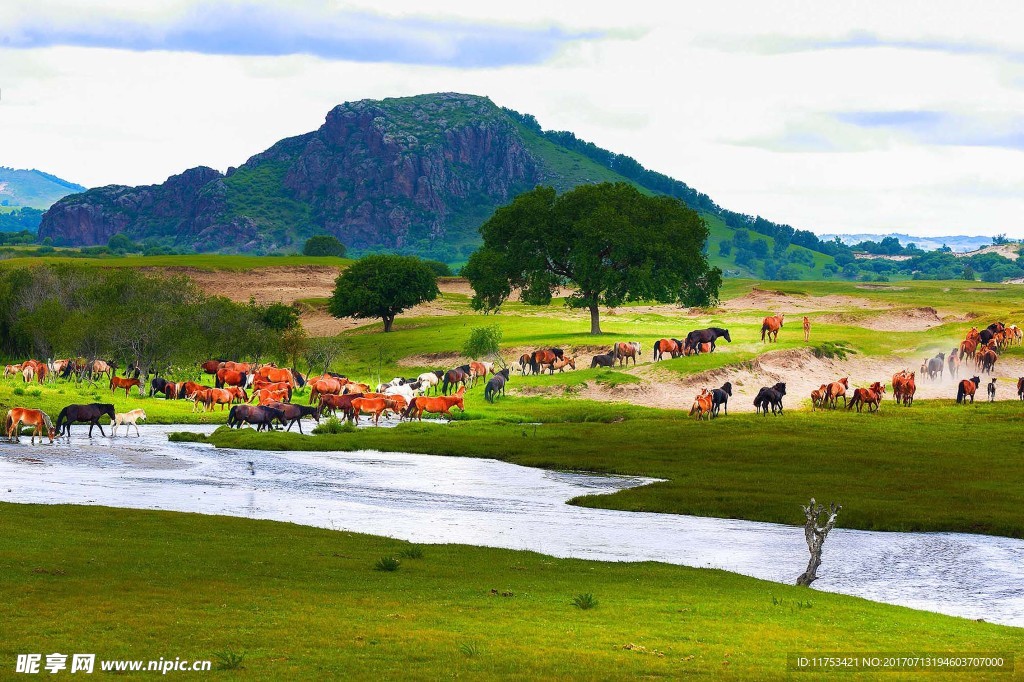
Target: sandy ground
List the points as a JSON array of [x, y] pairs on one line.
[[288, 284], [800, 370]]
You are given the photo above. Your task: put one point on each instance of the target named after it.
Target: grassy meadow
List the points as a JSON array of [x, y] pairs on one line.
[[304, 603]]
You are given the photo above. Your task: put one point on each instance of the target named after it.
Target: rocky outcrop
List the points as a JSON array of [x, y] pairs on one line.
[[377, 173]]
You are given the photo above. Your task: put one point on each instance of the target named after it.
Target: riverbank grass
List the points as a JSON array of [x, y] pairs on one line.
[[303, 603]]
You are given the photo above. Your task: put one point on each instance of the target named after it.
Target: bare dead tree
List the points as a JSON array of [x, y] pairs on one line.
[[815, 535]]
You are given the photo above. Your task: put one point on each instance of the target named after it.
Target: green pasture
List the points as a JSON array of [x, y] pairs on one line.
[[302, 603]]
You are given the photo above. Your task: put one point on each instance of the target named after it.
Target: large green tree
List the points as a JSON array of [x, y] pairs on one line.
[[382, 286], [608, 243]]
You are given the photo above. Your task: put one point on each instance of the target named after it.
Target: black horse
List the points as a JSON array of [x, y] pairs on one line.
[[720, 397], [988, 332], [496, 385], [91, 413], [698, 336], [770, 397], [261, 416], [161, 385], [295, 413], [459, 375], [605, 360]]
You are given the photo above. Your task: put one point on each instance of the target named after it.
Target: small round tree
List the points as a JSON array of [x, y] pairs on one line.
[[323, 245], [382, 286]]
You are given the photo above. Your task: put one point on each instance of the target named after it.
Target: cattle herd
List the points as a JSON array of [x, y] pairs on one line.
[[261, 394]]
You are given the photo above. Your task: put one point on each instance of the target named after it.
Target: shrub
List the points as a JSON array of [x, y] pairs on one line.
[[333, 426], [584, 601], [323, 245], [413, 552], [387, 563], [186, 437], [229, 660]]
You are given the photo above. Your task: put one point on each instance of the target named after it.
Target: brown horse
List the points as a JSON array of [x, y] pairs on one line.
[[439, 405], [211, 366], [807, 329], [35, 418], [1020, 388], [904, 387], [326, 385], [542, 359], [117, 382], [835, 390], [966, 389], [243, 367], [818, 397], [770, 326], [374, 406], [954, 363], [479, 370], [330, 402], [562, 363], [188, 389], [231, 377], [671, 346], [625, 351], [276, 375], [870, 396], [524, 363], [218, 396], [265, 397], [701, 406]]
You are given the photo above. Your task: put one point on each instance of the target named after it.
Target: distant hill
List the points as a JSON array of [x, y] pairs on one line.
[[33, 188], [413, 174], [959, 243]]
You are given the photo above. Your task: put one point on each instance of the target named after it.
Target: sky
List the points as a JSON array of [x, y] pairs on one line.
[[833, 117]]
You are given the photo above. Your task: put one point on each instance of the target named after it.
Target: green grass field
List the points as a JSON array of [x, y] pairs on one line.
[[303, 603]]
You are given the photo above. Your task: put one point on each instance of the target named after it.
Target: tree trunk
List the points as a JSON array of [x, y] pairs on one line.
[[595, 320], [388, 321], [815, 536]]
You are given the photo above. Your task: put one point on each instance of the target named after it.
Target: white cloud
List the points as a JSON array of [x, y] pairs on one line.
[[715, 95]]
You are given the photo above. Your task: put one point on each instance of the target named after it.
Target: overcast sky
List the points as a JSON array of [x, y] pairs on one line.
[[851, 117]]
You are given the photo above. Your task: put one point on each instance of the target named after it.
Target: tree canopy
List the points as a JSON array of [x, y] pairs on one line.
[[607, 242], [382, 286], [323, 245]]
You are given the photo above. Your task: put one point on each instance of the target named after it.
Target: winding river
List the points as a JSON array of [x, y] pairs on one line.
[[431, 499]]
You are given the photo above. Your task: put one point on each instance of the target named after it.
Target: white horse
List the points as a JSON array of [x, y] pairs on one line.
[[132, 417], [404, 390], [429, 380], [28, 374]]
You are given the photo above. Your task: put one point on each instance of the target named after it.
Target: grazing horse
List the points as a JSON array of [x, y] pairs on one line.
[[332, 403], [188, 389], [496, 386], [218, 396], [91, 413], [28, 373], [480, 370], [770, 326], [265, 397], [232, 377], [870, 396], [211, 366], [131, 417], [375, 406], [770, 397], [1020, 388], [720, 397], [325, 386], [161, 385], [992, 390], [603, 360], [353, 387], [807, 329], [543, 358], [430, 380], [626, 350], [439, 405], [34, 418], [701, 406], [561, 363], [295, 413], [260, 415], [459, 375], [966, 389], [99, 367], [671, 346], [117, 382], [835, 390], [280, 375], [698, 337]]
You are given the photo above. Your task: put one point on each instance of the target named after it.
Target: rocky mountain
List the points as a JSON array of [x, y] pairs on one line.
[[415, 174], [958, 243], [32, 188]]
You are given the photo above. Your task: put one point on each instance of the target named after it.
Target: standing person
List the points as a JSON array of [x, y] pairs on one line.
[[807, 330]]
